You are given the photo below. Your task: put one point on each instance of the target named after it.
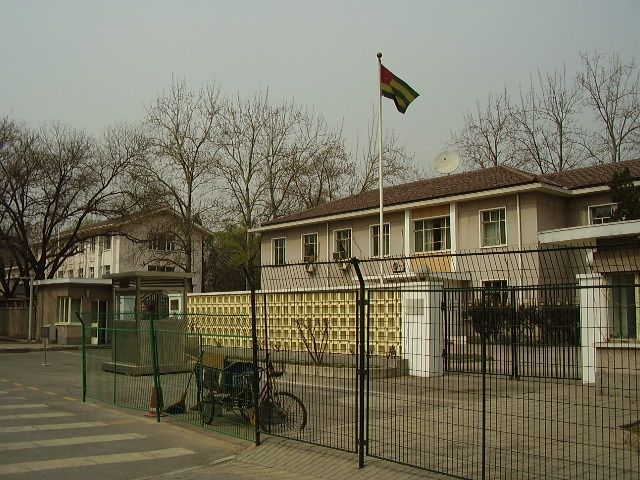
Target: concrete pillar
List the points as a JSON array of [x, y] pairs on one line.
[[422, 329], [593, 320]]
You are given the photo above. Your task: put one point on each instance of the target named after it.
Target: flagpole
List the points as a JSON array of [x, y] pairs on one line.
[[380, 172]]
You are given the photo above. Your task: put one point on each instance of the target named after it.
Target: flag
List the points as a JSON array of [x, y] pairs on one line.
[[395, 89]]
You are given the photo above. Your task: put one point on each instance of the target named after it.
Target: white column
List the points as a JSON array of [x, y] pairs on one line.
[[593, 321], [422, 329], [453, 231]]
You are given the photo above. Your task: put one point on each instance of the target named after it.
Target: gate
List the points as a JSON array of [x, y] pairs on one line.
[[538, 339]]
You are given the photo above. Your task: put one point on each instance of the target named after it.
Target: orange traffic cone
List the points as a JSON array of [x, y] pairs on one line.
[[156, 403]]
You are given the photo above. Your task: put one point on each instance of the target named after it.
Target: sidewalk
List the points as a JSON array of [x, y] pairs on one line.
[[10, 345], [284, 459]]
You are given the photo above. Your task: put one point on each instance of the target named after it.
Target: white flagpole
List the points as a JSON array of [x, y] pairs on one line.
[[380, 172]]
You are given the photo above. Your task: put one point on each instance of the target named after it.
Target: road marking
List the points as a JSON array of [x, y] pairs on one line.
[[26, 467], [18, 384], [49, 393], [32, 388], [19, 406], [3, 380], [58, 442], [35, 415], [13, 398], [50, 426], [70, 398], [2, 392]]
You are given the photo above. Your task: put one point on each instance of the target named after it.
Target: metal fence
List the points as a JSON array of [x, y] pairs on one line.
[[497, 364]]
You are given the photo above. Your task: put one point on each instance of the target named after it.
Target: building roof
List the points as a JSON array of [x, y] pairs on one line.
[[463, 183]]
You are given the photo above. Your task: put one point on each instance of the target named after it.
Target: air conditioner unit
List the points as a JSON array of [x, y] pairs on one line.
[[344, 265], [310, 268], [398, 267]]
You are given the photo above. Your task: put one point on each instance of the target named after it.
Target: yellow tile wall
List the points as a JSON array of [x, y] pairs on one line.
[[225, 319]]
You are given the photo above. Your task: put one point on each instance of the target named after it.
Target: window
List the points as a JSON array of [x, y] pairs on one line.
[[162, 242], [161, 268], [601, 213], [92, 245], [342, 247], [70, 273], [279, 245], [67, 308], [432, 235], [374, 231], [106, 242], [81, 272], [92, 272], [493, 227], [495, 292], [310, 247], [623, 305], [106, 269]]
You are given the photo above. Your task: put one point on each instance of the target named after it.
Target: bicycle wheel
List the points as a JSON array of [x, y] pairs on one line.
[[283, 412]]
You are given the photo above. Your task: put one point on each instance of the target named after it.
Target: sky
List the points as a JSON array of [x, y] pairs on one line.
[[90, 64]]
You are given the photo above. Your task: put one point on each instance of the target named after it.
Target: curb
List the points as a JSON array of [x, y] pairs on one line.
[[37, 348]]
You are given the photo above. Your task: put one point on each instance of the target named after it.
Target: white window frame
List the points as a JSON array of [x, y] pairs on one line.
[[481, 224], [274, 258], [302, 245], [335, 241], [426, 219], [106, 269], [388, 237], [92, 272], [590, 207], [162, 242], [65, 309], [106, 242]]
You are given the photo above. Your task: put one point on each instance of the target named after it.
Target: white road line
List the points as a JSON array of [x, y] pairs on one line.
[[20, 406], [3, 392], [35, 415], [13, 398], [50, 426], [26, 467], [58, 442]]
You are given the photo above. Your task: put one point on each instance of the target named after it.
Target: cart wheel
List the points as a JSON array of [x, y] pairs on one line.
[[208, 408], [283, 412]]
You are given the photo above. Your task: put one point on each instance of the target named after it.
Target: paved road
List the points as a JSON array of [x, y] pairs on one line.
[[46, 432]]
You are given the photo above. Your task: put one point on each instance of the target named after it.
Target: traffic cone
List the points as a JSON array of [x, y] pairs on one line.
[[156, 403]]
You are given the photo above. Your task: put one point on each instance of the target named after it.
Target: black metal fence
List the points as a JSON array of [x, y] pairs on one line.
[[498, 364]]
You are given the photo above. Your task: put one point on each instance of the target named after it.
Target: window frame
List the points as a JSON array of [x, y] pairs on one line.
[[65, 308], [427, 219], [106, 242], [335, 241], [612, 307], [161, 242], [303, 245], [590, 215], [274, 256], [481, 227], [387, 244]]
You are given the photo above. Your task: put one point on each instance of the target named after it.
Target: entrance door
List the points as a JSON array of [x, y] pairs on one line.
[[99, 330]]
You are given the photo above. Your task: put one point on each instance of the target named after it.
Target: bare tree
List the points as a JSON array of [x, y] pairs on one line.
[[396, 161], [546, 135], [612, 89], [181, 130], [53, 182], [486, 139]]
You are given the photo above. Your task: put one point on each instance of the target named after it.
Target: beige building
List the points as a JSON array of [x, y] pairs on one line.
[[492, 212]]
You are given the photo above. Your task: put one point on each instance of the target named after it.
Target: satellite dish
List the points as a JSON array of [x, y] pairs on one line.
[[446, 162]]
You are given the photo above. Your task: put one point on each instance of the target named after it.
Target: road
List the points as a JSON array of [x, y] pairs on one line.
[[47, 432]]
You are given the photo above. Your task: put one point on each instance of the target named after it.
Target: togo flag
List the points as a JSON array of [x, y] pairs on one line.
[[397, 90]]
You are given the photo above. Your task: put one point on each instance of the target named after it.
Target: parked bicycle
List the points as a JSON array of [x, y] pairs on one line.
[[231, 389]]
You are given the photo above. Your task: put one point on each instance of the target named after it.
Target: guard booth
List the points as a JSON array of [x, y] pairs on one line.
[[140, 298]]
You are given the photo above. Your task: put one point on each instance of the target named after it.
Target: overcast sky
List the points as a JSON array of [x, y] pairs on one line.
[[90, 64]]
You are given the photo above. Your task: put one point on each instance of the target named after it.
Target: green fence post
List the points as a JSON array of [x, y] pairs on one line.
[[154, 362], [255, 385], [84, 358]]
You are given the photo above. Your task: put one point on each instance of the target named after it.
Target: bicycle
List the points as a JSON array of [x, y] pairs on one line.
[[231, 389]]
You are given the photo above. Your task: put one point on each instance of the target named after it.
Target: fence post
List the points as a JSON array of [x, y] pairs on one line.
[[255, 379], [361, 352], [84, 358], [154, 362], [484, 338], [514, 336]]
